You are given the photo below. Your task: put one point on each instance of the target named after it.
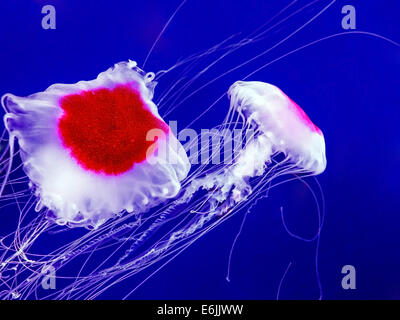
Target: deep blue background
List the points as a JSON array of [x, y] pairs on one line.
[[349, 86]]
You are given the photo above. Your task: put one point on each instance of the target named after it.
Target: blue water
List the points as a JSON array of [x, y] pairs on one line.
[[348, 85]]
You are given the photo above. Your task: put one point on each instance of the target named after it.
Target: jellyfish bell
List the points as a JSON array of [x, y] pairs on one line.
[[85, 148], [284, 125]]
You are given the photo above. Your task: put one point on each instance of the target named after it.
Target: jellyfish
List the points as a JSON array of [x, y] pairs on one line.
[[99, 156], [84, 146]]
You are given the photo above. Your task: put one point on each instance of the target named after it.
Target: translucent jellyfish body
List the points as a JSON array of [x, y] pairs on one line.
[[88, 150], [278, 125], [284, 125]]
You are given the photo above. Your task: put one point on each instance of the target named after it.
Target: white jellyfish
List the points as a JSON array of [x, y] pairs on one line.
[[284, 125], [84, 146]]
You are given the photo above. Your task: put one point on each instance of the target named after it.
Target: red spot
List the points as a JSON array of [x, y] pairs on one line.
[[303, 116], [105, 129]]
